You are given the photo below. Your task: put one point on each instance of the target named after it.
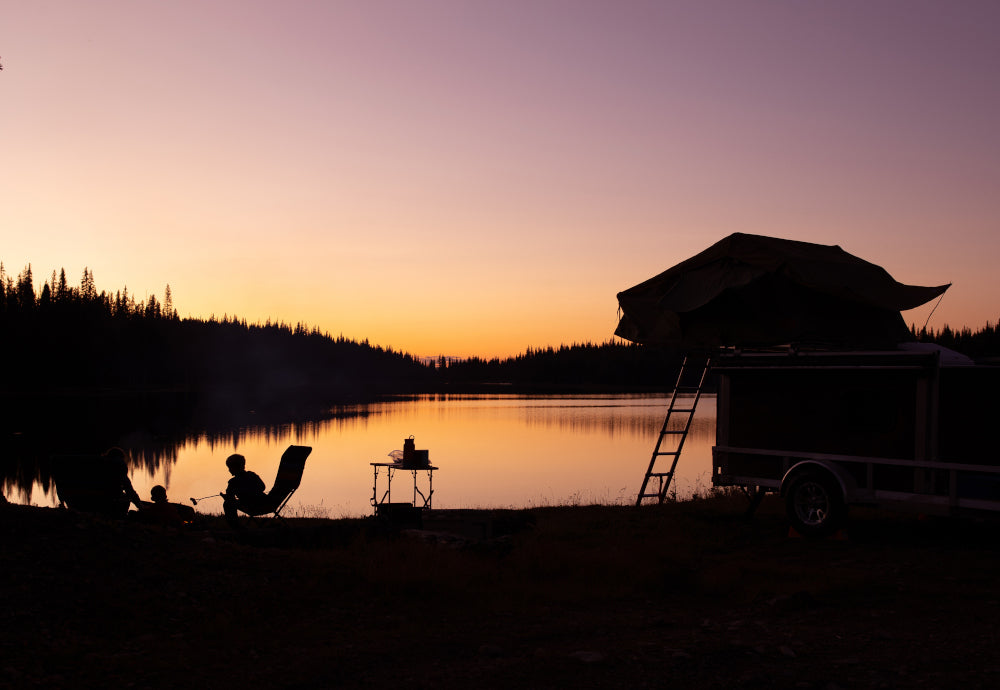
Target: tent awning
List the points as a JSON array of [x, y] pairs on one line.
[[757, 291]]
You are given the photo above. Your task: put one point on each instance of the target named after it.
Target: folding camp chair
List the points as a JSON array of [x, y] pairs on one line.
[[90, 484], [293, 462]]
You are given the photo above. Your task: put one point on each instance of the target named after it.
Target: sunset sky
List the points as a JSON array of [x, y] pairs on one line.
[[477, 178]]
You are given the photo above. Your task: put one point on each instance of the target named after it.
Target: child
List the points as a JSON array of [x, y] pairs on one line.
[[164, 512]]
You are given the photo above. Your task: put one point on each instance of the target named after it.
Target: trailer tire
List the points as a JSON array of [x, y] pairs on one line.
[[814, 503]]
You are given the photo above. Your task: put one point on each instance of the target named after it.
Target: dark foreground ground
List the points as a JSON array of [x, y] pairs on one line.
[[683, 595]]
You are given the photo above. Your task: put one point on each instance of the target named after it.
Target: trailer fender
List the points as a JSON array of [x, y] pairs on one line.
[[848, 486]]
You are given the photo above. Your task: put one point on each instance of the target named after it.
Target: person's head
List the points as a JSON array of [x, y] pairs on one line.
[[117, 456], [236, 463], [158, 494]]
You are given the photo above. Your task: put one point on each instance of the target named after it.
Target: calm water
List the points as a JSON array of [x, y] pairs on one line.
[[492, 452]]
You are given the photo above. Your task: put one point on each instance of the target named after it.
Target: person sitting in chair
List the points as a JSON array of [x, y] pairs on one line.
[[245, 490], [97, 484], [123, 495]]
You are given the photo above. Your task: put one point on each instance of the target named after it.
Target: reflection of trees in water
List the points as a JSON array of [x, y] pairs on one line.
[[36, 427], [638, 416], [340, 417], [152, 439], [644, 420], [20, 471]]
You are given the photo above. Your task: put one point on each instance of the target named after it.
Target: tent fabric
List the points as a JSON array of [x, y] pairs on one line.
[[756, 291]]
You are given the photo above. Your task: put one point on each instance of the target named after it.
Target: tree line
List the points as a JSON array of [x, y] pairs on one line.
[[979, 344], [68, 339], [608, 366], [71, 338], [17, 296]]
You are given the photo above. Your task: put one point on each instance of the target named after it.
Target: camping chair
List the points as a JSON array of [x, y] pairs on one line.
[[287, 480], [90, 484]]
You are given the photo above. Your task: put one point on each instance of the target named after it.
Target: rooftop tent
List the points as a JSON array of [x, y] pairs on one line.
[[756, 291]]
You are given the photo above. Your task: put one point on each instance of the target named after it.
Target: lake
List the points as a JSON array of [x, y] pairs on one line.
[[491, 451]]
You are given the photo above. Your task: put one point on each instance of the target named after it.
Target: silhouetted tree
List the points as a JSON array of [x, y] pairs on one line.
[[25, 289], [88, 290], [977, 344], [152, 310], [62, 291]]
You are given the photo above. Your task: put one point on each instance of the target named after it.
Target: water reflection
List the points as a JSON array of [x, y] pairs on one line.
[[493, 451]]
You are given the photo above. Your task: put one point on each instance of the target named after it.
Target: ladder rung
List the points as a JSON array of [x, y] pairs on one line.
[[680, 409], [659, 474], [667, 452], [673, 431]]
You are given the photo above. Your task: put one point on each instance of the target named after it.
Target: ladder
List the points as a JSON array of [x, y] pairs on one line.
[[684, 408]]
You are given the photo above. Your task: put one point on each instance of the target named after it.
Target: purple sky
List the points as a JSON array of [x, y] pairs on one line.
[[466, 178]]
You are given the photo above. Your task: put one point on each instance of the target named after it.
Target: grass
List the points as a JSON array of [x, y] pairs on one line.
[[553, 596], [309, 511]]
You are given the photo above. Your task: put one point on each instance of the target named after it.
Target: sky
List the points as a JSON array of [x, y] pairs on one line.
[[474, 178]]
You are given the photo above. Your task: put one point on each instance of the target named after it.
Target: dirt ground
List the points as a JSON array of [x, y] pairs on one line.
[[681, 595]]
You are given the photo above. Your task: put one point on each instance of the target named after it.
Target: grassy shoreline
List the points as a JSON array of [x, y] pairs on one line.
[[685, 594]]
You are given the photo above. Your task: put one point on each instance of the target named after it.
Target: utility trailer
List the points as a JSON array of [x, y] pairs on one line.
[[912, 428]]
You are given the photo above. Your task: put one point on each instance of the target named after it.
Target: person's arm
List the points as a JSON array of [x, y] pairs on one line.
[[133, 497]]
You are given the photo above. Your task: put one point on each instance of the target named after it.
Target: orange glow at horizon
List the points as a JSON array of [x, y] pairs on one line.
[[483, 179]]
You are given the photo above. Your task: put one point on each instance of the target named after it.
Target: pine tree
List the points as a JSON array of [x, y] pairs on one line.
[[62, 291], [88, 292], [25, 289], [152, 308]]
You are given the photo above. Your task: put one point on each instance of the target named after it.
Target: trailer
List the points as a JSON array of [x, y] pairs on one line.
[[908, 428]]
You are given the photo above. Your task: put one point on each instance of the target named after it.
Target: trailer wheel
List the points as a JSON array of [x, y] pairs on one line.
[[815, 504]]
